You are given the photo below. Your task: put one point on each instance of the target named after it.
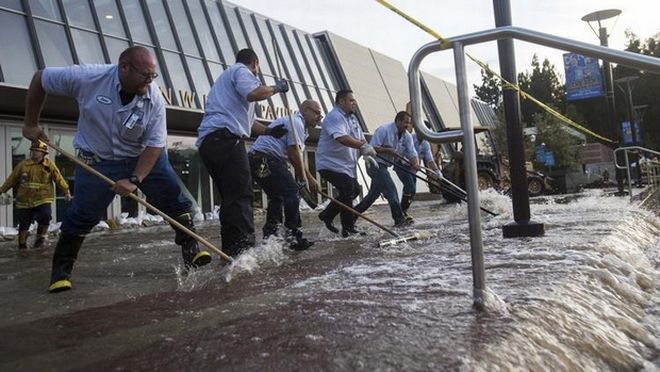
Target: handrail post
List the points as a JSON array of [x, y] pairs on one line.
[[625, 152], [522, 225], [470, 153]]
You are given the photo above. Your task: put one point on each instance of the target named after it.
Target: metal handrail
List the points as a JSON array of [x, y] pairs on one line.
[[458, 43], [627, 165]]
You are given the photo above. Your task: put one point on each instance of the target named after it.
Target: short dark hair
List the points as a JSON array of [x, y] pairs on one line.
[[401, 115], [246, 56], [342, 94]]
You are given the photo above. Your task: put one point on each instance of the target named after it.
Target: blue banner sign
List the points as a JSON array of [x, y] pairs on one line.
[[583, 79], [626, 132], [545, 156]]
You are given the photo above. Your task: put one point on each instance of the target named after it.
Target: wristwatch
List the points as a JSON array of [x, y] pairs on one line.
[[134, 180]]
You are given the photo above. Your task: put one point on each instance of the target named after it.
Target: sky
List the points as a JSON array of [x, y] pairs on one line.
[[372, 25]]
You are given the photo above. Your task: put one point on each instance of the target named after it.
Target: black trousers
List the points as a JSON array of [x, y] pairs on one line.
[[226, 160], [282, 191], [348, 188], [41, 214]]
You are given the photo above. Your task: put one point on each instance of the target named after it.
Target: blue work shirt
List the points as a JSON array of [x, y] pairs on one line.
[[278, 147], [227, 105], [106, 127], [387, 135], [423, 149], [331, 154]]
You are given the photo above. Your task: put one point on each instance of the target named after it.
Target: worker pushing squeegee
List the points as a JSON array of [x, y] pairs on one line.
[[456, 191], [304, 179]]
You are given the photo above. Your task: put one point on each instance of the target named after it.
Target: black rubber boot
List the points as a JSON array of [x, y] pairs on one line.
[[234, 242], [42, 234], [406, 200], [296, 240], [328, 223], [193, 257], [22, 239], [66, 253]]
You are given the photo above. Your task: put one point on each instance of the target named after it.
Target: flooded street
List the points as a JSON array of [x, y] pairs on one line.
[[582, 297]]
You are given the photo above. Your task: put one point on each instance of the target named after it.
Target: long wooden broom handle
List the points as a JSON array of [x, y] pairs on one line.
[[141, 201]]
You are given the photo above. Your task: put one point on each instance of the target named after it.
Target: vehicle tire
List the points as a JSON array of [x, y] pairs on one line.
[[535, 186], [485, 181]]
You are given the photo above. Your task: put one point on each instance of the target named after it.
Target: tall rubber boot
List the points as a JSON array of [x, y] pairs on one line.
[[294, 237], [66, 253], [193, 257], [406, 200], [22, 239], [42, 234]]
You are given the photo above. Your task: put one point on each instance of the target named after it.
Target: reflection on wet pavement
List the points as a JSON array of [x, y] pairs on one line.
[[582, 297]]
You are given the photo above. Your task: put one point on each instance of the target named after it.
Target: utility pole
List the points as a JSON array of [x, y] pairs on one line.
[[603, 37]]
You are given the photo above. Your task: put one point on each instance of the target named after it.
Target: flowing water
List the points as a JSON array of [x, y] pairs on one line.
[[582, 297]]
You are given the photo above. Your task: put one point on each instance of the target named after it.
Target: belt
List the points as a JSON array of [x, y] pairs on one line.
[[224, 133], [87, 157]]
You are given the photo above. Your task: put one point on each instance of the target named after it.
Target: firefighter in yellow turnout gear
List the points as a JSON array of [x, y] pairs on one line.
[[33, 179]]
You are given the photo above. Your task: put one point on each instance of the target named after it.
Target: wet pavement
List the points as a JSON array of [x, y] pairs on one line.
[[346, 304]]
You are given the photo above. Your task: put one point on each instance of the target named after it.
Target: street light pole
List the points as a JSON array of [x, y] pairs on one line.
[[603, 37], [625, 84]]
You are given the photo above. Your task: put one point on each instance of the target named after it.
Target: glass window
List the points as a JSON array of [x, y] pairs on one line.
[[183, 29], [19, 65], [287, 63], [200, 79], [288, 68], [63, 139], [20, 150], [298, 59], [318, 59], [79, 14], [221, 32], [87, 46], [307, 55], [136, 22], [46, 9], [115, 47], [216, 69], [54, 44], [161, 24], [257, 46], [177, 74], [12, 4], [203, 30], [184, 157], [235, 28], [111, 20]]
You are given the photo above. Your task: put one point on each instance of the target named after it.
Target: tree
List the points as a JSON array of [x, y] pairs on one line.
[[543, 84], [552, 133], [645, 90], [490, 90]]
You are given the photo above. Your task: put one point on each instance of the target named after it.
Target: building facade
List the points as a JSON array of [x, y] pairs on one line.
[[194, 41]]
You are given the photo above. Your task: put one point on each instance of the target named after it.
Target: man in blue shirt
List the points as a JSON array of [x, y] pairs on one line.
[[341, 143], [228, 121], [406, 172], [121, 133], [269, 159], [390, 141]]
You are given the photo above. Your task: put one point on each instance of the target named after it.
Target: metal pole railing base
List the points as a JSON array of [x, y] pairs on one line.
[[523, 229], [478, 300]]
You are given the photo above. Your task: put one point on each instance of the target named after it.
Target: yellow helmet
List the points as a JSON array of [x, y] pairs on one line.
[[39, 145]]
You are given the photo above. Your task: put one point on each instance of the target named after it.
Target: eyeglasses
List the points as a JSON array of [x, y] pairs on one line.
[[317, 112], [145, 76]]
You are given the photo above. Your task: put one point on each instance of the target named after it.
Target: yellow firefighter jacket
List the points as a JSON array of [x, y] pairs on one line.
[[34, 183]]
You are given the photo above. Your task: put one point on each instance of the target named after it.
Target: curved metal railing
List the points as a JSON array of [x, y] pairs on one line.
[[458, 43]]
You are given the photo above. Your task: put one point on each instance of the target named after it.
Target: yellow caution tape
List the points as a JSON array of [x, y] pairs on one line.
[[505, 84]]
